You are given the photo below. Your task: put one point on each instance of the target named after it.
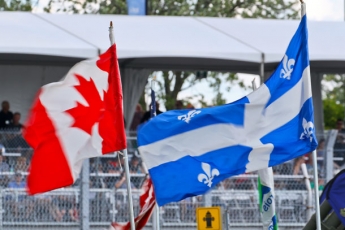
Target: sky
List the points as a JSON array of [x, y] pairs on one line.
[[317, 10]]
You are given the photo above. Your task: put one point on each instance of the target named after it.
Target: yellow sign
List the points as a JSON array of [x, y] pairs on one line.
[[208, 218]]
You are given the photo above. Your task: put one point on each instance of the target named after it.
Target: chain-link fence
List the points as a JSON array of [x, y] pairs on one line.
[[108, 201]]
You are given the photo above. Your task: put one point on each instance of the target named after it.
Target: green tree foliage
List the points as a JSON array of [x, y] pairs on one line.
[[333, 86], [332, 111], [173, 82], [277, 9], [15, 5]]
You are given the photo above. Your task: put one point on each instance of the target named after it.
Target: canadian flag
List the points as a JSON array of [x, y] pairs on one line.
[[78, 118], [147, 203]]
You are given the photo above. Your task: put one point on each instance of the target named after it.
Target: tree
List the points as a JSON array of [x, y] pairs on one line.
[[333, 86], [173, 82], [15, 5], [332, 111], [277, 9]]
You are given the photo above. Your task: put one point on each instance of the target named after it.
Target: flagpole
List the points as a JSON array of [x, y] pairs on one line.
[[128, 178], [262, 69], [155, 218], [315, 171], [316, 188]]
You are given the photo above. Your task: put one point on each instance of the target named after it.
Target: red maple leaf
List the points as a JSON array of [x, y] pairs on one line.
[[86, 116]]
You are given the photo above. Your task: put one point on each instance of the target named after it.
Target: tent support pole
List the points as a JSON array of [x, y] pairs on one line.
[[262, 69]]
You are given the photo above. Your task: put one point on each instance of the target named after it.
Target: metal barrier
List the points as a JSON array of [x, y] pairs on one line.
[[107, 197], [61, 208]]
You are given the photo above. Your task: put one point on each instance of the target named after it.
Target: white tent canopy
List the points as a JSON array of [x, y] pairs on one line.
[[26, 33], [169, 42], [39, 48]]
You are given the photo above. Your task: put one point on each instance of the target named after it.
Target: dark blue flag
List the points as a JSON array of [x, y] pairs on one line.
[[153, 103], [334, 193]]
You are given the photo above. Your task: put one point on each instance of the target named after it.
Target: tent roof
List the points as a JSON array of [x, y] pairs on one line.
[[272, 36], [25, 33], [157, 42]]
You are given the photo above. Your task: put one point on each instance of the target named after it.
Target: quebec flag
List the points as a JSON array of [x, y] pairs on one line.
[[188, 152]]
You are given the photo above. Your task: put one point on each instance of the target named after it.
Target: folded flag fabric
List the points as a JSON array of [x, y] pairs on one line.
[[267, 199], [147, 204], [153, 112], [189, 151], [78, 118], [334, 193]]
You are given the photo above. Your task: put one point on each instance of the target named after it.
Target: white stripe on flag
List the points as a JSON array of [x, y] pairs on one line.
[[225, 135]]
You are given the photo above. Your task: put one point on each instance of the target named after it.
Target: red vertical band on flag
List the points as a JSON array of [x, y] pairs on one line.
[[45, 173], [111, 126]]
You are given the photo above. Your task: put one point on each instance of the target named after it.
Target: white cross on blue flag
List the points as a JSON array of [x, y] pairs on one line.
[[189, 151]]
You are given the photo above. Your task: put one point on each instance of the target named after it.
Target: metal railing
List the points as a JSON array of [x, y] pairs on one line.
[[61, 209]]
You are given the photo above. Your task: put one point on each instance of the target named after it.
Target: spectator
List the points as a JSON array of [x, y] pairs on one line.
[[320, 150], [16, 125], [137, 118], [179, 104], [14, 138], [4, 167], [2, 149], [115, 165], [339, 145], [243, 182], [147, 115], [44, 209], [340, 125], [99, 180], [135, 166], [306, 159], [21, 165], [297, 170], [6, 116], [66, 208], [190, 106], [22, 206], [18, 181], [121, 183]]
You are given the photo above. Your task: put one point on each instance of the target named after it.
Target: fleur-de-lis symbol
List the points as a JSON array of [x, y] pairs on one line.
[[209, 175], [288, 65], [187, 117], [308, 130]]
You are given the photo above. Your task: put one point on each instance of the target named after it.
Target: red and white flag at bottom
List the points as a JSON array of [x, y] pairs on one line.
[[147, 204]]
